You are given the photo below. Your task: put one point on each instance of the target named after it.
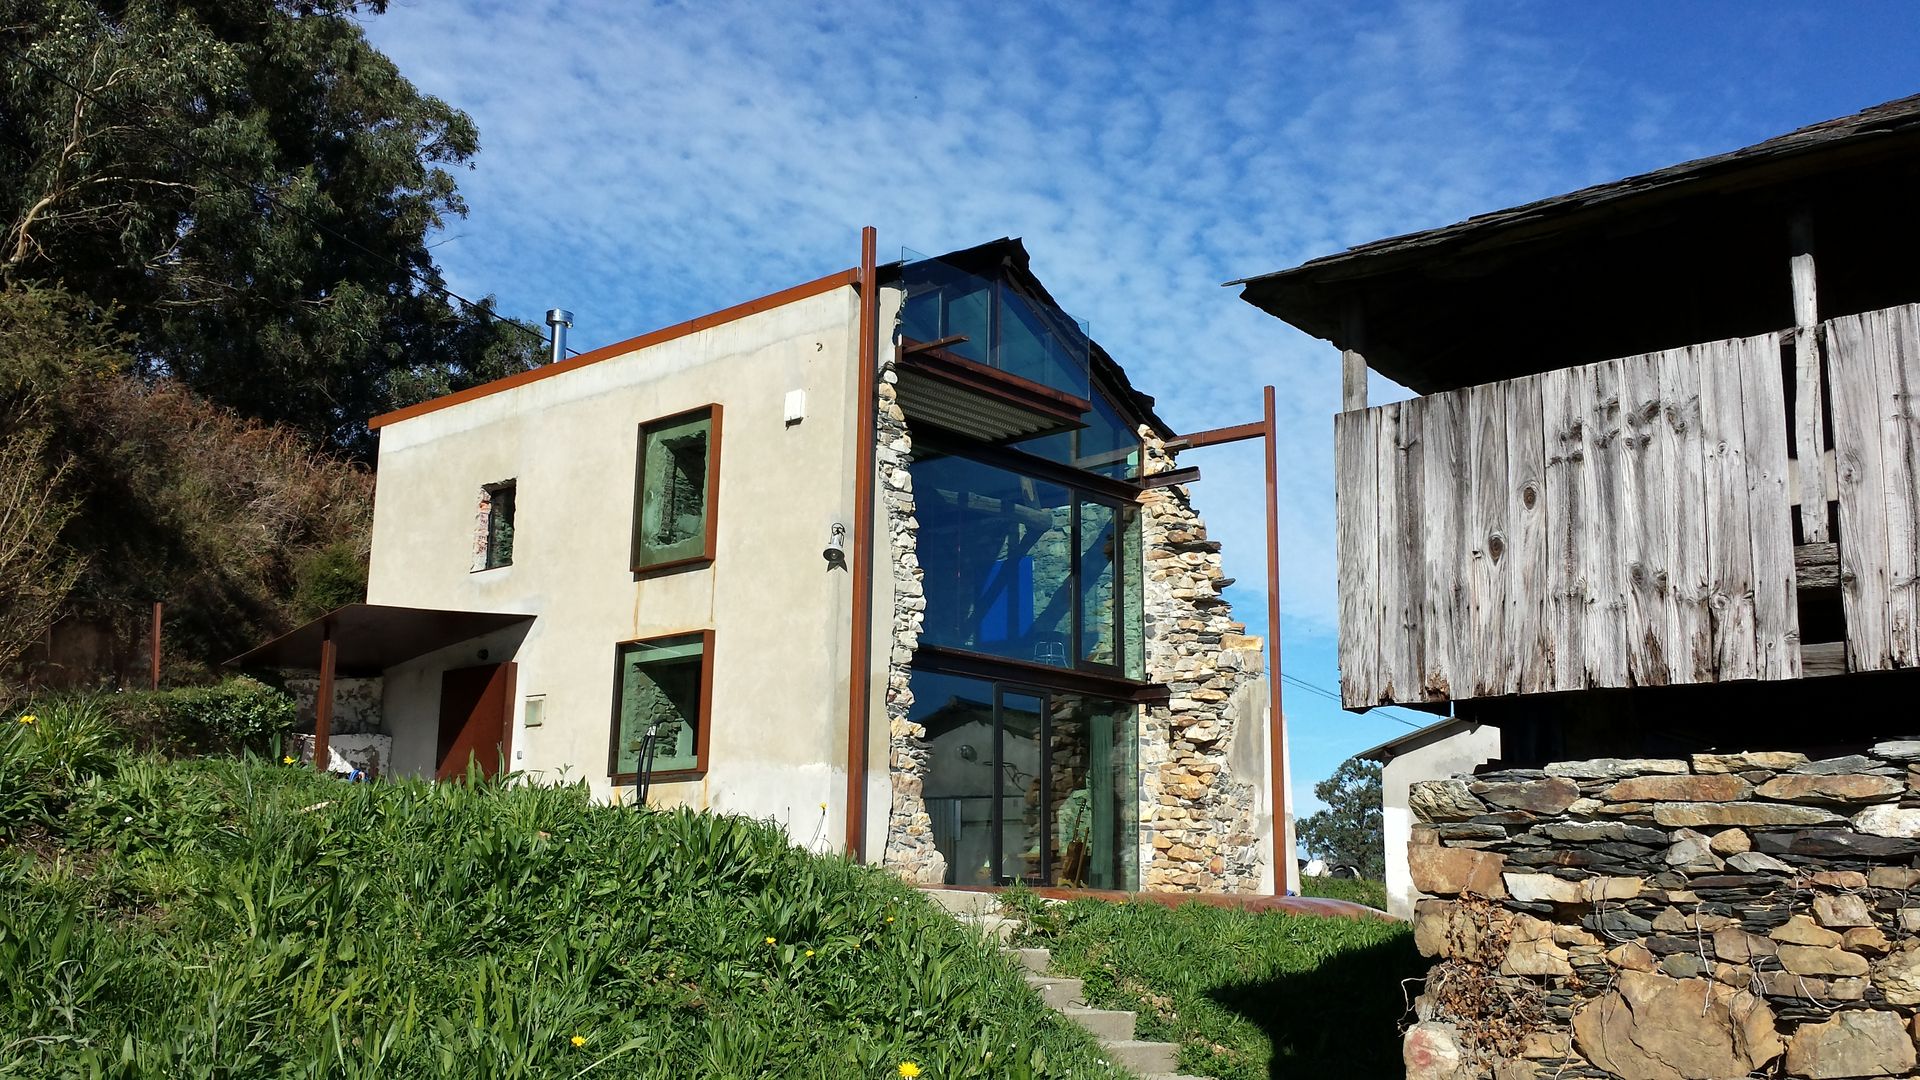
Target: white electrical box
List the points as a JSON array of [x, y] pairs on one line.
[[796, 406]]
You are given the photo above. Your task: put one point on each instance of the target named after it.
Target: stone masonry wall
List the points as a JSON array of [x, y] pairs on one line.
[[910, 850], [1722, 916], [1197, 819]]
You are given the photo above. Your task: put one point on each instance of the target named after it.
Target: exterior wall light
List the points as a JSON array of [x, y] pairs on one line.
[[836, 550]]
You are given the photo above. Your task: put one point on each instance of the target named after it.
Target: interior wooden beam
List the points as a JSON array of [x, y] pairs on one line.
[[1809, 407]]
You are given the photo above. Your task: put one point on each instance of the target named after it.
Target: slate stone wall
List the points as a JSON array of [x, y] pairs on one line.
[[1725, 915]]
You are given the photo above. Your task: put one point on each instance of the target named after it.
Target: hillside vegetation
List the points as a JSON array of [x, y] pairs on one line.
[[229, 918]]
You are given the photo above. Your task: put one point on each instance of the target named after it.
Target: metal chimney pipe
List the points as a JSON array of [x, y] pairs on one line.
[[558, 319]]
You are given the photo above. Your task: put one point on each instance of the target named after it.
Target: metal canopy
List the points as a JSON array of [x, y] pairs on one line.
[[370, 638]]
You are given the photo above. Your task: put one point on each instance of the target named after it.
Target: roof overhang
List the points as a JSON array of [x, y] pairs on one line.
[[947, 390], [370, 638]]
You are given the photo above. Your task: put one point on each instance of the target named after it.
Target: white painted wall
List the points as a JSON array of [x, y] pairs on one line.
[[781, 615], [1456, 753]]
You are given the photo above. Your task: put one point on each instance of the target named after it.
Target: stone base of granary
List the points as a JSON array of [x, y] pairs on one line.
[[1722, 916]]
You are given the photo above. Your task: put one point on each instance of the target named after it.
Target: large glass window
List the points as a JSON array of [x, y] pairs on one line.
[[1106, 445], [665, 687], [1003, 329], [1029, 785], [1024, 569], [679, 470]]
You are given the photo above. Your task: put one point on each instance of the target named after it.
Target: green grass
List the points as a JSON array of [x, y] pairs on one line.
[[1249, 996], [1371, 893], [225, 918]]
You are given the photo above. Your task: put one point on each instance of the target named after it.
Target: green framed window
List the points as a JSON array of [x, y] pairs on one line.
[[678, 479], [664, 684]]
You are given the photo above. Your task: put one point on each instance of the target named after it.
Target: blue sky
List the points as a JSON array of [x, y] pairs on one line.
[[642, 164]]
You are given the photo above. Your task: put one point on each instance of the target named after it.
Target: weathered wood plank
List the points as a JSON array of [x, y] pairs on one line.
[[1353, 360], [1824, 658], [1729, 536], [1529, 648], [1816, 566], [1809, 423], [1490, 571], [1356, 503], [1567, 481], [1445, 652], [1398, 589], [1899, 377], [1648, 546], [1776, 618], [1863, 525], [1691, 640], [1611, 519]]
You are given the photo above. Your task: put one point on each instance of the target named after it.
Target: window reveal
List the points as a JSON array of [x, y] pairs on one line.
[[663, 685], [674, 496]]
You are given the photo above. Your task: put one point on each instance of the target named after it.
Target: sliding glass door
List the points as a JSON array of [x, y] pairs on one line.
[[1029, 785]]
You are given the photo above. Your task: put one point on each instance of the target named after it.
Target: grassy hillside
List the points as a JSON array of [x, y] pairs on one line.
[[219, 918], [1248, 996]]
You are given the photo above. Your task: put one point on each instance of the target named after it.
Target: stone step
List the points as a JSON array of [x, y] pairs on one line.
[[1034, 960], [998, 928], [961, 902], [1057, 992], [1113, 1024], [1142, 1057]]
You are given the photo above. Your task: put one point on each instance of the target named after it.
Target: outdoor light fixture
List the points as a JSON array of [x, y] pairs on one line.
[[836, 550]]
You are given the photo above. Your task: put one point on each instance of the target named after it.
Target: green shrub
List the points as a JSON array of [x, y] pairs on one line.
[[1371, 893], [231, 716], [45, 755], [328, 578]]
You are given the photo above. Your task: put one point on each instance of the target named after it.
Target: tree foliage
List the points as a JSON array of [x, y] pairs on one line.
[[1349, 830], [249, 185]]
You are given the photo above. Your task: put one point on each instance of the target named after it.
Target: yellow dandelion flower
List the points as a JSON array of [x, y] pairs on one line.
[[578, 1040], [889, 918], [909, 1069], [29, 718], [769, 941], [809, 952], [288, 760], [823, 806]]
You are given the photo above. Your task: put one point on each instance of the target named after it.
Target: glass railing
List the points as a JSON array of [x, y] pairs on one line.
[[1002, 329]]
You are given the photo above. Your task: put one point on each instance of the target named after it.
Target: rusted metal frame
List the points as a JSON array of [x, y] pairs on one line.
[[510, 695], [866, 434], [937, 343], [1188, 475], [157, 606], [1013, 389], [1216, 436], [786, 296], [1276, 719], [951, 661], [710, 548], [1029, 464], [702, 733], [323, 702]]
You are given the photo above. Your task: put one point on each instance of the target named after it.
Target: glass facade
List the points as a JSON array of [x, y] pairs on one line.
[[1024, 569], [1031, 786], [1003, 329]]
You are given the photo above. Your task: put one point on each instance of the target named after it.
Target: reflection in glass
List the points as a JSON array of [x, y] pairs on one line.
[[959, 787], [1022, 336], [1099, 549], [995, 549], [660, 687], [1022, 779]]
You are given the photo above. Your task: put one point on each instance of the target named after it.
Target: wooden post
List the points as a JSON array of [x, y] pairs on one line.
[[323, 701], [1283, 869], [1353, 360], [155, 636], [1809, 405]]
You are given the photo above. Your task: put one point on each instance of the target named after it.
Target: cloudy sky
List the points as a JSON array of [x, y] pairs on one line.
[[642, 164]]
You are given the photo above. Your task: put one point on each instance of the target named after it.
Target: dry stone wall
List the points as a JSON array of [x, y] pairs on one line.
[[1200, 830], [1725, 915], [910, 850]]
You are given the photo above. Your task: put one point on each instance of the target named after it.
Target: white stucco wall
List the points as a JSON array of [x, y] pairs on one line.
[[1443, 757], [781, 615]]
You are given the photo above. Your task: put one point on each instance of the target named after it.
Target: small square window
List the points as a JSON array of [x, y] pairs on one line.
[[674, 493], [664, 685], [493, 527]]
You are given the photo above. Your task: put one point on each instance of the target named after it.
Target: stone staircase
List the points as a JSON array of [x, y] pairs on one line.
[[1113, 1028]]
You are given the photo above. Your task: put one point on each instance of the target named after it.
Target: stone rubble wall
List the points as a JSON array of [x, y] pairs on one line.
[[1200, 830], [356, 703], [910, 850], [1722, 916], [346, 754]]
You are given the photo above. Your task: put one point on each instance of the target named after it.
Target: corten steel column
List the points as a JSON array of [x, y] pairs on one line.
[[865, 431], [1276, 721], [323, 701], [155, 637]]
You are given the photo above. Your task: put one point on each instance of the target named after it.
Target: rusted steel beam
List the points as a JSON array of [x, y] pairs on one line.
[[323, 702], [155, 636], [1276, 718], [1189, 475], [1215, 436], [908, 348], [865, 434]]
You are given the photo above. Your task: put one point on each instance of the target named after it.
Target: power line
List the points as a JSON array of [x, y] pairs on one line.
[[260, 189], [1314, 688]]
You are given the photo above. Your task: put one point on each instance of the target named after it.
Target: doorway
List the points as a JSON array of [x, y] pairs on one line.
[[474, 704]]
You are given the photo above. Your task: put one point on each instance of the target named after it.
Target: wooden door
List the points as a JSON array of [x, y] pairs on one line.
[[474, 706]]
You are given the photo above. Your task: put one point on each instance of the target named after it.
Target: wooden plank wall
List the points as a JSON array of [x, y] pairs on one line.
[[1618, 524], [1874, 368]]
